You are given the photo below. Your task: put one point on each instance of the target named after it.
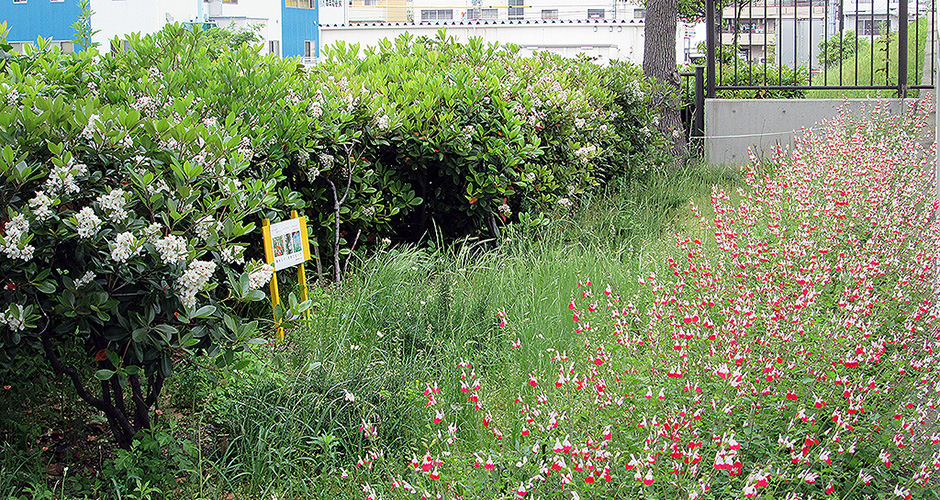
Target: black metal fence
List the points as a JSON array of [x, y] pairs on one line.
[[693, 110], [800, 45]]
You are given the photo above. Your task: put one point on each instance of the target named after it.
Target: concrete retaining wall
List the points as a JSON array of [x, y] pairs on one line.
[[734, 125]]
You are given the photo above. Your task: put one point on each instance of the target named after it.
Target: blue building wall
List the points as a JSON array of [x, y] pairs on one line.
[[34, 18], [298, 25]]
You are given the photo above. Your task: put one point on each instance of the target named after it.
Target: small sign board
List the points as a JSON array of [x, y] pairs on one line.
[[285, 243]]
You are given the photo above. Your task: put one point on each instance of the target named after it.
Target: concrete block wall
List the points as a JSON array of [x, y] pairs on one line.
[[732, 126]]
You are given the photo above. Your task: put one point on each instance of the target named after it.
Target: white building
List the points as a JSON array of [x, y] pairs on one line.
[[604, 31], [416, 11]]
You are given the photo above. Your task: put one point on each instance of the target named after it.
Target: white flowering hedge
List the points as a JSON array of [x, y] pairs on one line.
[[122, 236], [415, 134]]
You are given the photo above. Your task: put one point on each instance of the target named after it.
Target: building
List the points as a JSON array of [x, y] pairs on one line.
[[287, 27], [418, 11], [603, 40], [757, 27], [605, 31]]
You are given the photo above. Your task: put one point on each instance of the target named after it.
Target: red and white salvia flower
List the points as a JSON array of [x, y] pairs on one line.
[[815, 307]]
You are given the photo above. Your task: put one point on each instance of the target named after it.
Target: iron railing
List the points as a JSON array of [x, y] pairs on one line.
[[693, 110], [787, 45]]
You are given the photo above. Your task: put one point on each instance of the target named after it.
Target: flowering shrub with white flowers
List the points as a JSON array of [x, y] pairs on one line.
[[414, 134], [123, 236], [790, 353]]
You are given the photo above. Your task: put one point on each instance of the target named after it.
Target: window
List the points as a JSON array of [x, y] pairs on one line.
[[476, 14], [67, 47], [516, 10], [595, 13], [233, 2], [274, 47], [872, 27], [370, 2], [310, 48], [301, 4], [639, 13], [19, 1], [437, 15], [332, 3], [549, 13]]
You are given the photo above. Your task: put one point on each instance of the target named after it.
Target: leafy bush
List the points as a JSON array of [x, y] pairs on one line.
[[835, 50], [123, 234], [395, 140]]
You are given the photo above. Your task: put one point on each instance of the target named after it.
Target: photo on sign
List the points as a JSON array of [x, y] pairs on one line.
[[287, 243], [295, 242]]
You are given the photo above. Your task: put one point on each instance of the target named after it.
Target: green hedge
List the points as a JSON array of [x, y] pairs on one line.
[[420, 135]]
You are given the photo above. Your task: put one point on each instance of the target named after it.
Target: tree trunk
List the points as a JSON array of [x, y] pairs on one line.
[[659, 64], [125, 422]]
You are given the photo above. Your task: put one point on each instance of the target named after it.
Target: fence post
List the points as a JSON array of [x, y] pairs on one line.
[[698, 127], [902, 48], [711, 33]]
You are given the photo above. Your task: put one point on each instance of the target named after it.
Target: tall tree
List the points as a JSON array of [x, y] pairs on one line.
[[659, 64]]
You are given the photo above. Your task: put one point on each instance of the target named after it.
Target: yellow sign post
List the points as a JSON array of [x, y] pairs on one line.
[[286, 245]]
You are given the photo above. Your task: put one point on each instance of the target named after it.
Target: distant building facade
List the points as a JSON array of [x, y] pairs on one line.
[[287, 27]]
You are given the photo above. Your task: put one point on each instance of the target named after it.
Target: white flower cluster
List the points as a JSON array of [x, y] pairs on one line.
[[292, 97], [316, 109], [12, 242], [504, 209], [382, 122], [13, 98], [565, 202], [41, 205], [172, 249], [229, 185], [194, 280], [15, 320], [326, 161], [368, 211], [302, 156], [586, 153], [88, 222], [579, 122], [259, 276], [233, 255], [88, 133], [146, 105], [153, 231], [635, 90], [125, 246], [245, 149], [86, 278], [206, 227], [62, 178], [113, 205]]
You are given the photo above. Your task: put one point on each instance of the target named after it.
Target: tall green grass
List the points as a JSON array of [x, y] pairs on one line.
[[876, 64], [288, 424], [406, 316]]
